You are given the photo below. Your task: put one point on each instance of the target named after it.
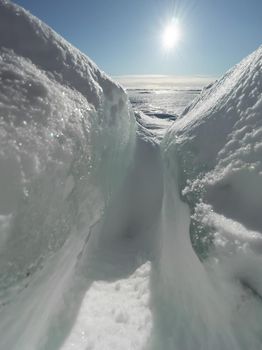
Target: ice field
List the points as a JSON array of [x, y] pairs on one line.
[[128, 220]]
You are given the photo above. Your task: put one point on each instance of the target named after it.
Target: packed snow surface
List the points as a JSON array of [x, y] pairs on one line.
[[114, 315], [114, 232], [157, 109]]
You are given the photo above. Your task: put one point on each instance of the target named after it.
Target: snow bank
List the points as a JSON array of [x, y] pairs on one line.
[[71, 243], [213, 161], [66, 138], [219, 144]]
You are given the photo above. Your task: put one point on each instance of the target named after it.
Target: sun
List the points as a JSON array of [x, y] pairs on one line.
[[171, 35]]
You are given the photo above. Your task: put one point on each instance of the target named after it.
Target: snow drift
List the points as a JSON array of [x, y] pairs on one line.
[[87, 196], [218, 145], [210, 296], [66, 138]]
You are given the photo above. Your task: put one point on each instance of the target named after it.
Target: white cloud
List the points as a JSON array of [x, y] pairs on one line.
[[164, 81]]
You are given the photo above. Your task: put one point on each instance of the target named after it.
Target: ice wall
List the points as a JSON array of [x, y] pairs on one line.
[[66, 139], [209, 297], [218, 142]]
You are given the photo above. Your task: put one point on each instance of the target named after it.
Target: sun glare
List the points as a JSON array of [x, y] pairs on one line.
[[171, 35]]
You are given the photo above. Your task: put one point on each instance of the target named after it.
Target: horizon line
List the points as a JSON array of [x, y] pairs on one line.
[[148, 81]]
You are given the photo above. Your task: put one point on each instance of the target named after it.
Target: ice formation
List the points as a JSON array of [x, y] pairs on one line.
[[113, 234], [66, 136], [212, 160]]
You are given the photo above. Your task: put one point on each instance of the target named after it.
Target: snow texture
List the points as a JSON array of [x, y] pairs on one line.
[[114, 315], [113, 233], [66, 137], [213, 151], [219, 144]]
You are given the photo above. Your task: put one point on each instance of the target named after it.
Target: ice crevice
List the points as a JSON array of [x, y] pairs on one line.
[[115, 233]]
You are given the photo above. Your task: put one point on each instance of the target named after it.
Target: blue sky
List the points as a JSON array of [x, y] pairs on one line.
[[124, 36]]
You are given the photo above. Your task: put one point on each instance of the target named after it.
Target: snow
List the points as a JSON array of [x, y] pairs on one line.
[[224, 127], [116, 234], [156, 110], [156, 101], [114, 315], [153, 126], [66, 131], [213, 150]]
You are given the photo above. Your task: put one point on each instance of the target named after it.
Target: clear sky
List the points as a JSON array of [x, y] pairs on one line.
[[124, 36]]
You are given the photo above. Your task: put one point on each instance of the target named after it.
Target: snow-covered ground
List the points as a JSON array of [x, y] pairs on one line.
[[116, 233], [160, 101], [156, 110], [114, 315]]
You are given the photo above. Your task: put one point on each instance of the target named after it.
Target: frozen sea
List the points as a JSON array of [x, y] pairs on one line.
[[159, 107], [161, 102]]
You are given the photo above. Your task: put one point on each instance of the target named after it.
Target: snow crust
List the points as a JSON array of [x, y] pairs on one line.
[[114, 315], [219, 144], [213, 151], [116, 235], [66, 139]]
